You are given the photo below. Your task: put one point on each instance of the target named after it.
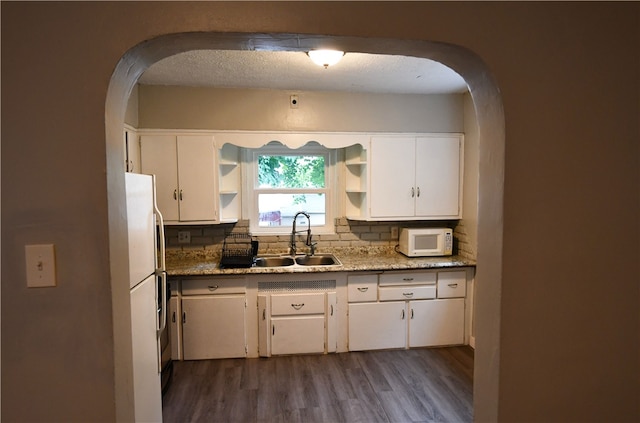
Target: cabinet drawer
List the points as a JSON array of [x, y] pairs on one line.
[[452, 284], [362, 288], [409, 292], [295, 304], [408, 278], [213, 286]]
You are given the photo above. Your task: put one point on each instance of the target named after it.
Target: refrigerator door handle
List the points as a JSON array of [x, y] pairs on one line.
[[162, 264], [161, 271], [163, 317]]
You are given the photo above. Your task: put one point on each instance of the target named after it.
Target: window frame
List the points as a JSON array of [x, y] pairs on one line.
[[252, 190]]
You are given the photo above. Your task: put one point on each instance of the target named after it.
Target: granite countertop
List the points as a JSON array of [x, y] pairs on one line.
[[206, 262]]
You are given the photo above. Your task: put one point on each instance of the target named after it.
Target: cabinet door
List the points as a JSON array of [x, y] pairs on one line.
[[438, 176], [159, 157], [436, 322], [197, 178], [297, 335], [264, 326], [131, 151], [175, 328], [332, 330], [213, 327], [392, 176], [375, 326]]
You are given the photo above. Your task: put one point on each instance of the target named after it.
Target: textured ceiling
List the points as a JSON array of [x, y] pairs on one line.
[[285, 70]]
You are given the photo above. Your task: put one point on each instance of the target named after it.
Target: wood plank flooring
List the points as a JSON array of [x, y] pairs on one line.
[[418, 385]]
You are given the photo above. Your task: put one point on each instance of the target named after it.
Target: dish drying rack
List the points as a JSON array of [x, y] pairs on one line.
[[238, 251]]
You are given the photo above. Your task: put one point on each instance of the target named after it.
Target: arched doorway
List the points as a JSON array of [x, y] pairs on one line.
[[489, 115]]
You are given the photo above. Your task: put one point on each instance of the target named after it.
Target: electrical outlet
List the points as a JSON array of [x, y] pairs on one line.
[[41, 265], [394, 232], [184, 237], [293, 101]]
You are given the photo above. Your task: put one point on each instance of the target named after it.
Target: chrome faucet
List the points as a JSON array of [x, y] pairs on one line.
[[308, 243]]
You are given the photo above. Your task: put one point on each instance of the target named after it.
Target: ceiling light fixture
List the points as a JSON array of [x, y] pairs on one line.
[[325, 58]]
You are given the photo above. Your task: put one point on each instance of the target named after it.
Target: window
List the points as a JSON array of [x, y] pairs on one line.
[[285, 182]]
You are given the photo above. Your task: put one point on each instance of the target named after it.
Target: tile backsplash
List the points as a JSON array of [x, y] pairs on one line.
[[348, 233]]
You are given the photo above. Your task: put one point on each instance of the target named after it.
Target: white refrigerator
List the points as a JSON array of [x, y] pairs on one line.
[[148, 288]]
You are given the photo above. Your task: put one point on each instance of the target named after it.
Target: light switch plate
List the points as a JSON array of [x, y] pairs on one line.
[[41, 265]]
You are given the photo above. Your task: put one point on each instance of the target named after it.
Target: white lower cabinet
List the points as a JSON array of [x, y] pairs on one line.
[[374, 326], [213, 319], [175, 328], [412, 309], [300, 323], [436, 322], [297, 335]]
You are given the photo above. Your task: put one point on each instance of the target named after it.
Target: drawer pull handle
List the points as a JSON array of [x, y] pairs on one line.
[[173, 317], [184, 317], [453, 285], [273, 330], [408, 294], [412, 313], [213, 287], [297, 306], [407, 279], [402, 314], [264, 314], [331, 310], [363, 289]]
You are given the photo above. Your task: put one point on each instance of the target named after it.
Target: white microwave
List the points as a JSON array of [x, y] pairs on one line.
[[421, 242]]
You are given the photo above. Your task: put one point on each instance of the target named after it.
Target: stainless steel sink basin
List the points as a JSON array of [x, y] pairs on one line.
[[284, 261], [277, 261], [318, 260]]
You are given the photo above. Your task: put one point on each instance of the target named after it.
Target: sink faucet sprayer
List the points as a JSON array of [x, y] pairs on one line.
[[311, 245]]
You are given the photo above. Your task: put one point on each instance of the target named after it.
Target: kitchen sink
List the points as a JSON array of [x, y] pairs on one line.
[[318, 260], [284, 261], [277, 261]]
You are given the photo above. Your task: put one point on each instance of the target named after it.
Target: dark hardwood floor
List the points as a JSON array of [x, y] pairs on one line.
[[418, 385]]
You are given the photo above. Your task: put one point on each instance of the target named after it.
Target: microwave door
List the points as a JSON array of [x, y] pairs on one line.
[[426, 242]]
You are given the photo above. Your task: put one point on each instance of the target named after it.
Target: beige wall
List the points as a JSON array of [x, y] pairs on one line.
[[568, 76], [170, 107]]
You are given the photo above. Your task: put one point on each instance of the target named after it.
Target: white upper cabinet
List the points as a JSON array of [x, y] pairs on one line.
[[131, 151], [438, 176], [415, 177], [185, 169]]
